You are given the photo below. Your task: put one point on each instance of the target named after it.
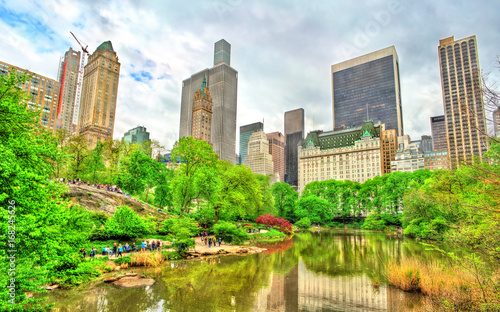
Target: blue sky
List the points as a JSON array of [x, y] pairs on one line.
[[282, 50]]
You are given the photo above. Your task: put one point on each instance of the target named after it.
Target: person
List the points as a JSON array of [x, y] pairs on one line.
[[214, 240], [114, 249], [84, 253], [206, 240], [134, 247], [209, 243], [220, 240], [126, 247], [92, 253], [143, 246], [104, 252], [108, 251], [202, 239], [120, 250], [160, 243]]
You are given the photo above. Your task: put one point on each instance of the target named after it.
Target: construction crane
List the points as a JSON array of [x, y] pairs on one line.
[[79, 82]]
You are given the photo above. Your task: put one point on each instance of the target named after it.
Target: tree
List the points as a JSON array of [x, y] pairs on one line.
[[139, 173], [95, 162], [194, 155], [125, 224], [79, 151], [230, 232], [46, 229], [285, 198], [317, 209]]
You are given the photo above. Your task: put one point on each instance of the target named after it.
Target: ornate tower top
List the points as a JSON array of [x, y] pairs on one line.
[[203, 93]]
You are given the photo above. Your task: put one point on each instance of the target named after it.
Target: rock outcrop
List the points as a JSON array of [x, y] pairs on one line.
[[228, 250], [132, 281]]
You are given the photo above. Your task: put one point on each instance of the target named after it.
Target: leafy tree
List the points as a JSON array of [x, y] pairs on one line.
[[78, 149], [285, 198], [281, 224], [317, 209], [230, 232], [125, 224], [194, 155], [46, 229], [95, 162], [139, 173], [303, 223], [161, 181]]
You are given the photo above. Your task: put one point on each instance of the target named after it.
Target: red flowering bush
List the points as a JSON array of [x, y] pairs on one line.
[[281, 224]]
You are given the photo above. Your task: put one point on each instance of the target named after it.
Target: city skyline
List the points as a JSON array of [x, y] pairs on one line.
[[283, 60]]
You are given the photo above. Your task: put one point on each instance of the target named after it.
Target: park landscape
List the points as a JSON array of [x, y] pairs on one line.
[[452, 215]]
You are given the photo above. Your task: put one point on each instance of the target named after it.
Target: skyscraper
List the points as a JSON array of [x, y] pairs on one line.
[[69, 68], [496, 122], [222, 80], [137, 135], [245, 134], [426, 144], [99, 93], [43, 92], [368, 88], [438, 130], [202, 114], [294, 134], [277, 150], [462, 99], [258, 158]]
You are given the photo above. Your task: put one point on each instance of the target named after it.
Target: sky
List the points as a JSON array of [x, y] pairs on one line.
[[282, 50]]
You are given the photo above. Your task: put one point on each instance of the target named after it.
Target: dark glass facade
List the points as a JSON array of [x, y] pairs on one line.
[[368, 86]]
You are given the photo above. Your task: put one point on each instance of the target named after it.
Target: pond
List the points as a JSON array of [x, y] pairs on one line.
[[331, 270]]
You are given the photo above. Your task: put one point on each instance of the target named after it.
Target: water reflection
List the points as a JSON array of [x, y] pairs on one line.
[[326, 271]]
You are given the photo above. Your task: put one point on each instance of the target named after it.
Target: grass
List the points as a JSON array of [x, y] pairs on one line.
[[149, 259], [449, 288]]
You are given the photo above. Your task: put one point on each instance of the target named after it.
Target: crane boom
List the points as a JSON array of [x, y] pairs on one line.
[[81, 45]]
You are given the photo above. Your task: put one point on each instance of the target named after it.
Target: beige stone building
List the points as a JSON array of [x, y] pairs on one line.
[[409, 157], [354, 154], [99, 94], [258, 158], [436, 160], [43, 92], [202, 114]]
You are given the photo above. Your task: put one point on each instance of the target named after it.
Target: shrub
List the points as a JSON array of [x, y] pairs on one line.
[[99, 217], [272, 233], [173, 226], [230, 232], [98, 234], [122, 260], [283, 225], [125, 224], [303, 223]]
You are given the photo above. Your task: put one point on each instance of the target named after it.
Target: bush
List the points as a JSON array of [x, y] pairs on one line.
[[283, 225], [174, 225], [98, 234], [272, 233], [125, 224], [122, 260], [98, 218], [303, 223], [380, 221], [230, 232]]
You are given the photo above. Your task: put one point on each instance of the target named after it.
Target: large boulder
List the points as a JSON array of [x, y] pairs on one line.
[[134, 281]]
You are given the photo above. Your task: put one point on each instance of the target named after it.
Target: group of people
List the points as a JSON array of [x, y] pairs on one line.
[[92, 253], [210, 240], [107, 187], [152, 245], [118, 249]]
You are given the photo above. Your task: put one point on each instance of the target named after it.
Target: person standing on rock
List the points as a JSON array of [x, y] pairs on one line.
[[214, 240], [220, 240], [114, 249], [92, 253], [143, 246], [153, 245], [120, 250], [209, 242]]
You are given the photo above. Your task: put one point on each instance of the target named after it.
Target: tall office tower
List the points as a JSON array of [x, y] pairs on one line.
[[44, 94], [462, 99], [426, 144], [438, 131], [245, 134], [389, 146], [202, 114], [222, 80], [277, 150], [99, 93], [496, 122], [69, 68], [136, 135], [258, 158], [368, 88], [294, 134]]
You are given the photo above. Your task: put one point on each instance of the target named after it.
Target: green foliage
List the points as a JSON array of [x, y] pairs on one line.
[[303, 223], [285, 200], [176, 224], [380, 221], [99, 217], [125, 224], [230, 233], [315, 208], [122, 260], [272, 233]]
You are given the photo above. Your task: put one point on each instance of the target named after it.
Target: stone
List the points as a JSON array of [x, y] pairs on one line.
[[134, 281], [131, 274], [111, 279], [52, 287]]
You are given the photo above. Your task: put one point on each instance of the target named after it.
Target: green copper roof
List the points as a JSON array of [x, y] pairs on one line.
[[310, 143], [106, 45], [366, 134], [203, 85]]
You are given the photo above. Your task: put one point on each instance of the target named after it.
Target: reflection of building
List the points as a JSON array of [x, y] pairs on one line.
[[43, 92], [353, 154], [96, 119], [69, 99], [343, 293], [277, 150], [462, 99], [258, 158], [272, 298], [137, 135], [294, 133], [222, 80], [367, 87], [245, 134]]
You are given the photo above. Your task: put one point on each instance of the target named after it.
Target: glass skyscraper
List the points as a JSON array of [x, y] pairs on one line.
[[245, 134], [368, 88]]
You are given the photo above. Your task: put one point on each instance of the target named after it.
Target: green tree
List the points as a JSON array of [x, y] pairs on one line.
[[46, 229], [230, 232], [139, 173], [125, 224], [95, 162], [194, 156], [317, 209], [285, 198], [78, 149]]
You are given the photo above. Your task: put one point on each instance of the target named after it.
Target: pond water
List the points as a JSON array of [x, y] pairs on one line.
[[331, 270]]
